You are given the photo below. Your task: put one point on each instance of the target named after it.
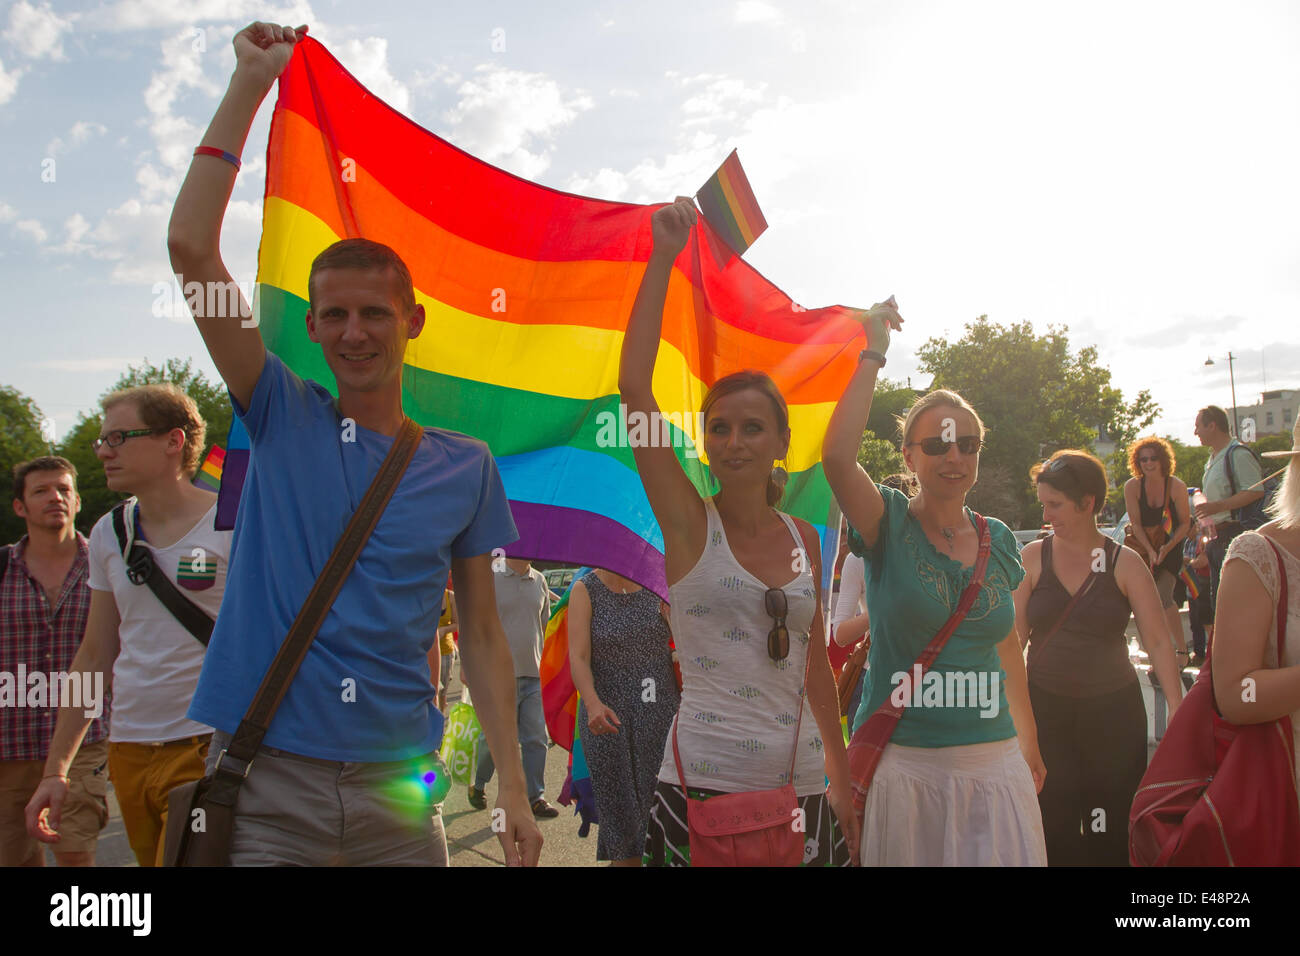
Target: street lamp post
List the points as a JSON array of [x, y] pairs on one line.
[[1233, 383]]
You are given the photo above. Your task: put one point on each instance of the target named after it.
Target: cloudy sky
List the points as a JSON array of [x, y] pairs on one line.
[[1127, 169]]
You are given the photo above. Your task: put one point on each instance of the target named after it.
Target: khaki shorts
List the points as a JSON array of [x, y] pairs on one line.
[[1166, 581], [85, 811]]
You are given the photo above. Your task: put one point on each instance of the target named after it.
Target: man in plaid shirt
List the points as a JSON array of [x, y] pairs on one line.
[[44, 602]]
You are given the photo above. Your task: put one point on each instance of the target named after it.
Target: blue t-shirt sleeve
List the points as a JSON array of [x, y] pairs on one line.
[[492, 526], [279, 396]]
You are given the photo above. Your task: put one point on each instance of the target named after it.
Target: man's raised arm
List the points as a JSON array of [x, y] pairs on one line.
[[262, 51]]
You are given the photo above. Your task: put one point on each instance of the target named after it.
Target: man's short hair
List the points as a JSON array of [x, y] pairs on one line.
[[162, 408], [44, 463], [1216, 415], [363, 254]]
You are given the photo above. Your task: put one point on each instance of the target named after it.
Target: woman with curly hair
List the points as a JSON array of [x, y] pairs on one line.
[[1159, 522]]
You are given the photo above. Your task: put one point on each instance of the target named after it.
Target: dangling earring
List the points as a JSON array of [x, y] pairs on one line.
[[780, 475]]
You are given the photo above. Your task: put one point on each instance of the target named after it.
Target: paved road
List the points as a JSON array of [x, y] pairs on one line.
[[470, 840]]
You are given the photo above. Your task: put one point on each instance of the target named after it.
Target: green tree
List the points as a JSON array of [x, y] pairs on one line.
[[1036, 397], [20, 440], [880, 452], [213, 404]]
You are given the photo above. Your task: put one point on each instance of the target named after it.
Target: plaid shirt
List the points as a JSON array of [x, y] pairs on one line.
[[34, 638]]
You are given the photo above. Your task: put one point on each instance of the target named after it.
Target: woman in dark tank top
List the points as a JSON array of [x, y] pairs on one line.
[[1149, 494], [1072, 609]]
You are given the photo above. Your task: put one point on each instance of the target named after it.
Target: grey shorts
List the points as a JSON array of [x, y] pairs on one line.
[[301, 811], [1165, 581]]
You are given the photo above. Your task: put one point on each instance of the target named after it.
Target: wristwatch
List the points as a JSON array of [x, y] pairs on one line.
[[876, 357]]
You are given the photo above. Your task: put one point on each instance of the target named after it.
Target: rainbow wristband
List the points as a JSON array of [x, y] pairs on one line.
[[219, 153]]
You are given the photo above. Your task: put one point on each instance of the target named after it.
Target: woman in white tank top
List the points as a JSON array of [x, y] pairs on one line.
[[737, 569]]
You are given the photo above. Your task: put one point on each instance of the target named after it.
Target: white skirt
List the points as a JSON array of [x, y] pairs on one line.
[[973, 805]]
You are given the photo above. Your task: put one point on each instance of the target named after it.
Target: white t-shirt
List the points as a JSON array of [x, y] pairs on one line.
[[159, 663], [851, 601]]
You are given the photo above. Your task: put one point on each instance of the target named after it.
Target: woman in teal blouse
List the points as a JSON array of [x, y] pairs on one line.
[[958, 782]]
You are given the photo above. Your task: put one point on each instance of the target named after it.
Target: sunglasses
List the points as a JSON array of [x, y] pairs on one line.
[[1146, 459], [967, 445], [778, 639]]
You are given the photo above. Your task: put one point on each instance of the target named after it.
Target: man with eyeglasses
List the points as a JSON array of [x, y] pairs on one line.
[[150, 443]]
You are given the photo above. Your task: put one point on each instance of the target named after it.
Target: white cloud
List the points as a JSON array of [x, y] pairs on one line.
[[367, 60], [33, 228], [174, 136], [75, 228], [8, 83], [755, 11], [80, 133], [155, 14], [716, 110], [37, 32], [509, 117], [87, 365], [720, 99], [7, 212]]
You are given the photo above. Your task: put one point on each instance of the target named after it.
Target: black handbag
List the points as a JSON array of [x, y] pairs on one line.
[[201, 814]]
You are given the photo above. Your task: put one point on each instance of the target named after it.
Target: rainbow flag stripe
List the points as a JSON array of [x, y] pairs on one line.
[[728, 203], [527, 291], [209, 474], [559, 695]]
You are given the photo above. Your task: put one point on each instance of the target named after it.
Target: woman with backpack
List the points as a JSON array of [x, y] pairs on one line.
[[1258, 566], [1072, 609]]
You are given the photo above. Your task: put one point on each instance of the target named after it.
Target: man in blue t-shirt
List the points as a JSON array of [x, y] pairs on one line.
[[338, 777]]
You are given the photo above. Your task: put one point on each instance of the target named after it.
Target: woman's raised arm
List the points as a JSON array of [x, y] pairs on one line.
[[857, 494], [674, 500]]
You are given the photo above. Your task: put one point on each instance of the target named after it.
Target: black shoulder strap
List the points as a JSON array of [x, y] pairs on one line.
[[233, 763], [142, 569], [4, 559], [1227, 463]]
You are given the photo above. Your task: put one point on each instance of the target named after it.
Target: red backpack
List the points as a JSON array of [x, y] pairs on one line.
[[1218, 793]]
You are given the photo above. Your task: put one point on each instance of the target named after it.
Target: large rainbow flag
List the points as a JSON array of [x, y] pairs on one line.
[[527, 291]]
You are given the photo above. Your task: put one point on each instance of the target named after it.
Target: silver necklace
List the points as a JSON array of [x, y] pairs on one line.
[[948, 535]]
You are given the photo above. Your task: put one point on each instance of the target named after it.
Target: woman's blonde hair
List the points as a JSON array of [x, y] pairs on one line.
[[1286, 506], [939, 397]]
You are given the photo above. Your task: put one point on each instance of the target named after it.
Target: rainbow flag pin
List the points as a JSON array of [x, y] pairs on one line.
[[209, 474], [728, 203]]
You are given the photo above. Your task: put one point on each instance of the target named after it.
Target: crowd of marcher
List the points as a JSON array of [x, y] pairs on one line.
[[994, 716]]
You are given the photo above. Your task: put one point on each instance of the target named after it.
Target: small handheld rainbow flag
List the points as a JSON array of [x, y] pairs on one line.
[[729, 204], [209, 474]]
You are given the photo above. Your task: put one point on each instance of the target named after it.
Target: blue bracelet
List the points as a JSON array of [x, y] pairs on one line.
[[218, 153]]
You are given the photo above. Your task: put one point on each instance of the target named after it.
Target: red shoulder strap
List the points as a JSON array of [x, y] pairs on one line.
[[1281, 601]]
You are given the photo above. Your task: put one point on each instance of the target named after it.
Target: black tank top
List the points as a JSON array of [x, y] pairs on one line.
[[1154, 517], [1088, 654]]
